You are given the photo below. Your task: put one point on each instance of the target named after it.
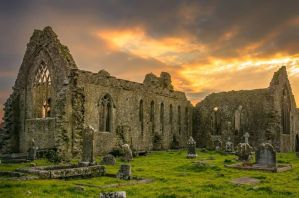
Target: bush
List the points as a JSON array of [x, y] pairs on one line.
[[53, 156], [116, 152]]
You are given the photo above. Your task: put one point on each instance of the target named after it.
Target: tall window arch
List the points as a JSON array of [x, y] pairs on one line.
[[170, 113], [179, 119], [152, 113], [187, 119], [106, 113], [141, 114], [216, 121], [162, 116], [285, 112], [42, 91], [152, 116]]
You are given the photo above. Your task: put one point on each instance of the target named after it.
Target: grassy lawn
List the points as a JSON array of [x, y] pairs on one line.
[[173, 176]]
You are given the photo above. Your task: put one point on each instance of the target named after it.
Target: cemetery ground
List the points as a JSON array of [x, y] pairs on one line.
[[168, 174]]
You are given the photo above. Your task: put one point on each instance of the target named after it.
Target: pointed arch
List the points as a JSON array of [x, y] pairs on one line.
[[285, 111], [162, 117], [106, 106], [141, 115], [41, 87], [179, 119]]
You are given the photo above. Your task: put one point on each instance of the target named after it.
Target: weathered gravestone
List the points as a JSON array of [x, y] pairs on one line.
[[244, 150], [120, 194], [108, 160], [127, 153], [124, 172], [246, 136], [265, 155], [217, 143], [32, 152], [191, 146], [88, 157], [229, 146]]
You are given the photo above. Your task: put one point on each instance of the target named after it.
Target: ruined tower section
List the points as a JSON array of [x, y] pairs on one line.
[[34, 107], [285, 114], [225, 115], [268, 115]]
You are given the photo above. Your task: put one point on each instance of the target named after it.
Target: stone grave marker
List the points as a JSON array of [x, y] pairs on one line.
[[124, 172], [266, 155], [191, 145], [127, 153], [108, 160], [88, 157]]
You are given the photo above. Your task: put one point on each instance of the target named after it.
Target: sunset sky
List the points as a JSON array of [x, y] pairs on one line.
[[207, 46]]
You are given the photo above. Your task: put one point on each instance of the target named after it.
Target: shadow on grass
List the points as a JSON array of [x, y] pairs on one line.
[[198, 167]]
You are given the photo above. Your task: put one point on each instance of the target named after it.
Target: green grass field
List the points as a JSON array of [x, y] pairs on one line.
[[173, 176]]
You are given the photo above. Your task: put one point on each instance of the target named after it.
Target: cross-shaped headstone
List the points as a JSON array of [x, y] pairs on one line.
[[246, 136]]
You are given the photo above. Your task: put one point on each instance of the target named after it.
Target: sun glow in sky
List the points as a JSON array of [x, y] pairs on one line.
[[194, 75], [207, 46]]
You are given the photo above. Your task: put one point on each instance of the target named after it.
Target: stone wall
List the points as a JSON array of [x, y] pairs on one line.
[[258, 112], [27, 100], [129, 125], [53, 100]]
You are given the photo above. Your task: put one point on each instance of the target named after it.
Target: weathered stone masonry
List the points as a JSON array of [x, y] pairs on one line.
[[268, 115], [53, 100]]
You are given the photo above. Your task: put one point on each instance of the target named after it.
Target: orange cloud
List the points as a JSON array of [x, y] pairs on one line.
[[170, 50], [195, 69]]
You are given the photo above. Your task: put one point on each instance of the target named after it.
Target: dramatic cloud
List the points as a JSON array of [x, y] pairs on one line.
[[207, 45]]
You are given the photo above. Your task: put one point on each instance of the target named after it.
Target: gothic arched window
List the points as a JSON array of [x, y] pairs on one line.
[[187, 118], [152, 113], [42, 91], [170, 113], [152, 117], [162, 116], [106, 113], [216, 121], [179, 119], [141, 114], [285, 112]]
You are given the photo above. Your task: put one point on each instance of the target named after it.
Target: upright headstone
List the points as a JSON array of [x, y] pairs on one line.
[[244, 151], [229, 146], [88, 157], [108, 160], [246, 136], [266, 155], [124, 172], [127, 153], [191, 145], [32, 151]]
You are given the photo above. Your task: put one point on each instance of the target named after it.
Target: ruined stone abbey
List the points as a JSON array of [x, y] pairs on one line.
[[53, 100]]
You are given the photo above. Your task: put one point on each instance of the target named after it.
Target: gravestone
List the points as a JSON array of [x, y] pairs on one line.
[[120, 194], [88, 157], [243, 151], [246, 136], [32, 152], [108, 160], [127, 153], [266, 155], [191, 145], [229, 146], [217, 143], [237, 118], [124, 172]]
